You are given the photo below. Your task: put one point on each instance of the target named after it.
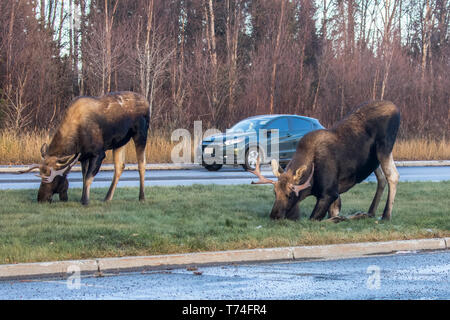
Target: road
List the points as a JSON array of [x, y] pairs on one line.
[[398, 276], [197, 176]]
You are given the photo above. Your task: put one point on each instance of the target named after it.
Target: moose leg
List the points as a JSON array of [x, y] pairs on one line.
[[62, 189], [63, 195], [140, 144], [89, 173], [333, 212], [381, 184], [322, 206], [392, 177], [335, 208], [85, 193], [118, 156]]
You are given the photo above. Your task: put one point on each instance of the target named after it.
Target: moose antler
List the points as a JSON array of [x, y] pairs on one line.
[[257, 172], [299, 187], [54, 173], [33, 166]]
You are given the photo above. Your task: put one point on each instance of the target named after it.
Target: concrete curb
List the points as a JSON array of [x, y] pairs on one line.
[[183, 166], [107, 265], [421, 163]]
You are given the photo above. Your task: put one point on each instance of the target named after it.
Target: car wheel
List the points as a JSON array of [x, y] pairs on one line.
[[212, 167], [251, 156]]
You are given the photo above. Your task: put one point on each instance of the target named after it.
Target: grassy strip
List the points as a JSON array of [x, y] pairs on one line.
[[201, 218], [25, 148]]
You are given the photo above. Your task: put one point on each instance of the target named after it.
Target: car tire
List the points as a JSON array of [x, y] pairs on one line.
[[251, 156], [212, 167]]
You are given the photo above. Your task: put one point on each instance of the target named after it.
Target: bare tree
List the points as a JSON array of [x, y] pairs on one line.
[[213, 98], [109, 21], [152, 59], [17, 113], [233, 26], [276, 57], [220, 61], [426, 35], [387, 46], [179, 90], [103, 49]]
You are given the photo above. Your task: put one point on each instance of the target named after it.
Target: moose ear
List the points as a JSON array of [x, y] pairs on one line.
[[44, 150], [298, 174]]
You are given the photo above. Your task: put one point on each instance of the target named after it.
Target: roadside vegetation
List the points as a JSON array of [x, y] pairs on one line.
[[25, 148], [202, 218]]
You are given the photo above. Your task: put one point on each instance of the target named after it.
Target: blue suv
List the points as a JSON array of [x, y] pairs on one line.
[[242, 143]]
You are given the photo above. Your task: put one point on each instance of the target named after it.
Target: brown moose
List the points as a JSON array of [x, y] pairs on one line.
[[90, 127], [327, 163]]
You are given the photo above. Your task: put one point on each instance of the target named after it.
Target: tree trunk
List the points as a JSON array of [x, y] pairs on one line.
[[425, 42], [108, 38], [211, 41], [232, 46], [82, 44], [275, 59], [145, 67]]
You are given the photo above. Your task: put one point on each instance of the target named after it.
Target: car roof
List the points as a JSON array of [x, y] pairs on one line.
[[273, 116]]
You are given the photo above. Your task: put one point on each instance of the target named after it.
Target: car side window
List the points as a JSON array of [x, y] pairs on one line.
[[298, 124], [280, 124]]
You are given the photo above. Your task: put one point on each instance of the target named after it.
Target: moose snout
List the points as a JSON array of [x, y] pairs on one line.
[[277, 212], [281, 211], [44, 197], [59, 185]]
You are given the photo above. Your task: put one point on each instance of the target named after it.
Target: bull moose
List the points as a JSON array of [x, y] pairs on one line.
[[91, 126], [327, 163]]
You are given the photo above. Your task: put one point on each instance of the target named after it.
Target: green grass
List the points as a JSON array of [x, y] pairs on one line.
[[201, 218]]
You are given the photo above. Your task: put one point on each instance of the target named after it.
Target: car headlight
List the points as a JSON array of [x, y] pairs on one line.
[[234, 141]]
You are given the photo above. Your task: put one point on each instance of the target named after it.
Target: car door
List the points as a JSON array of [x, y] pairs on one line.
[[283, 131], [298, 127]]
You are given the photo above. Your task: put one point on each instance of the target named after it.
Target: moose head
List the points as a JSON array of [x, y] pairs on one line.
[[53, 171], [287, 189]]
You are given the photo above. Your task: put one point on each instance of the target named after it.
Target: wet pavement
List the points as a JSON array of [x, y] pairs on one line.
[[399, 276]]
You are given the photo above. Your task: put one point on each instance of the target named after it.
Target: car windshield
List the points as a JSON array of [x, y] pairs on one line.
[[248, 125]]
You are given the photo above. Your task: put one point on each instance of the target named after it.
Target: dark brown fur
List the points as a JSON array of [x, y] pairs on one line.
[[342, 156], [60, 187]]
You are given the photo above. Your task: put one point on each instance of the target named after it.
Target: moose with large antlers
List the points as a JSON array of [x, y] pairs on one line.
[[327, 163], [90, 127]]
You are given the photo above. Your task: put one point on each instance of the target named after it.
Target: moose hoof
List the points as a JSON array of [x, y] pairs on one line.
[[336, 219]]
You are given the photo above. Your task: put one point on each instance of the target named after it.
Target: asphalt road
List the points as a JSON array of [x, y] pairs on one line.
[[399, 276], [197, 176]]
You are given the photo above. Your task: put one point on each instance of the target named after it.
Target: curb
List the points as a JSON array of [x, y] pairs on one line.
[[108, 265], [421, 163], [193, 166]]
